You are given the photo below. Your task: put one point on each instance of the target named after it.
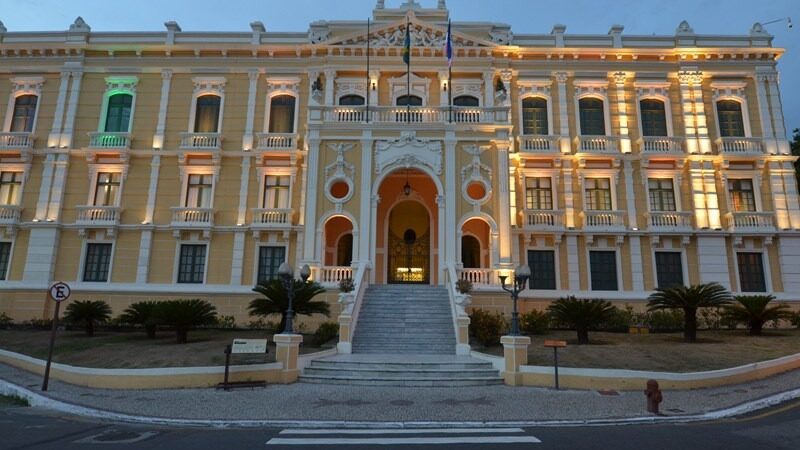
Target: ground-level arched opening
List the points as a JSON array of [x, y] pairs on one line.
[[475, 244], [338, 241]]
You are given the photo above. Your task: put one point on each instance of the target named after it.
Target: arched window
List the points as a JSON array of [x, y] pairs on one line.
[[654, 117], [592, 117], [206, 117], [534, 116], [281, 114], [470, 252], [24, 113], [466, 100], [351, 100], [344, 250], [118, 113], [731, 123], [406, 100]]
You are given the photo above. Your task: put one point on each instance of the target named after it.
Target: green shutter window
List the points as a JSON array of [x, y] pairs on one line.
[[592, 116], [534, 116], [24, 113], [118, 113], [206, 117], [731, 123], [603, 266], [654, 118]]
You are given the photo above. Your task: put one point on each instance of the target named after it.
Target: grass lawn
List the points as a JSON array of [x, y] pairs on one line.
[[112, 349], [663, 351]]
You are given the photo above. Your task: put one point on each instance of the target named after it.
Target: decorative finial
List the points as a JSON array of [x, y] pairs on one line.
[[684, 28], [2, 27], [80, 25], [757, 29], [380, 4], [442, 4]]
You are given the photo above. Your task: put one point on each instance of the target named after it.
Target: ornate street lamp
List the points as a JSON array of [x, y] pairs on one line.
[[287, 276], [521, 276]]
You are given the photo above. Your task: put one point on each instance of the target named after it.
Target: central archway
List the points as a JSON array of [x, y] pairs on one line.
[[409, 243]]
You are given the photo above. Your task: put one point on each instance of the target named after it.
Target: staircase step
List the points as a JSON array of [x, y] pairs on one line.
[[406, 382]]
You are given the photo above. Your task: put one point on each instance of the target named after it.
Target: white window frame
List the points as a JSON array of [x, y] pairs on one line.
[[597, 89], [348, 86], [398, 87], [667, 247], [84, 249], [187, 170], [206, 86], [613, 177], [114, 86], [283, 86], [177, 262], [731, 90], [22, 168], [674, 175], [752, 175], [535, 88], [272, 241], [748, 247], [556, 262], [553, 174], [24, 86], [264, 171], [10, 257], [95, 170], [471, 87], [650, 90], [602, 246]]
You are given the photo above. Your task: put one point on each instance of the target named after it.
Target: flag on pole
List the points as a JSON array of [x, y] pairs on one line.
[[407, 46], [448, 47]]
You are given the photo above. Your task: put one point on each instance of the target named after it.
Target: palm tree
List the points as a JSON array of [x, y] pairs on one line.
[[275, 300], [183, 315], [755, 312], [88, 313], [689, 299], [143, 313], [581, 314]]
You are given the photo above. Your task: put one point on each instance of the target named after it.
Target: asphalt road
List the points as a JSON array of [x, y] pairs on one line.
[[30, 428]]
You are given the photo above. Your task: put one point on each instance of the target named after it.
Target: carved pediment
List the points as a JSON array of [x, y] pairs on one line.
[[408, 151], [422, 35]]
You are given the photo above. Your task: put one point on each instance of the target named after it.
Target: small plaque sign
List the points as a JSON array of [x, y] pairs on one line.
[[249, 346], [554, 343]]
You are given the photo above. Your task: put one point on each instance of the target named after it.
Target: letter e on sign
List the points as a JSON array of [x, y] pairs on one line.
[[59, 291]]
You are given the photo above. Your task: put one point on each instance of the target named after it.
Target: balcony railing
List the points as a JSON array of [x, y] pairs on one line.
[[332, 275], [669, 220], [272, 217], [740, 145], [480, 278], [110, 140], [98, 215], [751, 221], [414, 114], [661, 144], [277, 141], [192, 217], [544, 220], [539, 143], [604, 220], [597, 144], [204, 141], [15, 140], [9, 214]]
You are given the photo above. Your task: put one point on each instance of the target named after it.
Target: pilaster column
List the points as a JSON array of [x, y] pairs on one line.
[[312, 182], [365, 216], [146, 240], [792, 196], [712, 199], [58, 118], [72, 108], [563, 117], [44, 191], [503, 198], [622, 112], [449, 200], [143, 261], [158, 138], [488, 87], [247, 139], [573, 268], [374, 79], [693, 114], [776, 104], [330, 78], [444, 89], [569, 196], [698, 194], [239, 235], [778, 194], [60, 164], [630, 194]]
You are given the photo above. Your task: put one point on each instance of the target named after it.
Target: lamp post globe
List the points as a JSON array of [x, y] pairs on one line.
[[286, 273], [305, 272]]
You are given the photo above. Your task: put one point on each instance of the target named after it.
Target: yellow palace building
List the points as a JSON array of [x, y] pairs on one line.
[[180, 164]]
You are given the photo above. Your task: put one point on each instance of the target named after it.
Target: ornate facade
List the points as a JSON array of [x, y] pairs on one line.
[[155, 165]]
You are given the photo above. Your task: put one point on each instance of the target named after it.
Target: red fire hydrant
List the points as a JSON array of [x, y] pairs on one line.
[[654, 396]]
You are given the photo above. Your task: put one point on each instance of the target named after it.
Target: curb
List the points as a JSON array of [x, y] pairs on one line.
[[42, 401]]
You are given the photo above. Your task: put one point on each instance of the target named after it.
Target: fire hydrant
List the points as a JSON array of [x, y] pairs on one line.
[[654, 396]]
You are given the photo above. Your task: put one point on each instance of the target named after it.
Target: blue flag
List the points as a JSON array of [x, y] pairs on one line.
[[407, 46], [448, 47]]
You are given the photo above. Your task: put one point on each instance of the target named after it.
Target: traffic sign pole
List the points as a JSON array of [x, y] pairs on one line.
[[58, 292]]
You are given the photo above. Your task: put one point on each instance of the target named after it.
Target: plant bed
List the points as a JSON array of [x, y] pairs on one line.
[[663, 352], [133, 350]]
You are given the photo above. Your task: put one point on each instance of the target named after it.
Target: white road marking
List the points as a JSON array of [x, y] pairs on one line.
[[408, 440], [406, 431]]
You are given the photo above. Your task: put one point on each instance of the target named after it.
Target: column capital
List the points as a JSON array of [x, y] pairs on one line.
[[620, 78], [561, 77], [691, 77], [166, 74]]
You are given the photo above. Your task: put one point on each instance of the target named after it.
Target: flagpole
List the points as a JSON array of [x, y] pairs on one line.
[[368, 79], [408, 72], [449, 71]]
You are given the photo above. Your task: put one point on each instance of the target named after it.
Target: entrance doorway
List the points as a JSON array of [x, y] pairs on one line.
[[409, 244]]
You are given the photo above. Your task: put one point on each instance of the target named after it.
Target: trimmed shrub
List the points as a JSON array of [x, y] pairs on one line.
[[87, 313], [275, 300], [226, 322], [325, 333], [534, 322], [665, 321], [689, 300], [754, 311], [487, 327], [581, 314], [184, 315], [144, 314], [346, 285], [5, 321], [621, 320], [464, 286]]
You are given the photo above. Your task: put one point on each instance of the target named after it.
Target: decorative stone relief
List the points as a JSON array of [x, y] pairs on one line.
[[127, 84], [209, 84], [29, 85], [318, 32], [691, 77], [476, 172], [534, 86], [287, 85], [351, 86], [728, 89], [339, 171], [419, 87], [421, 36], [408, 151], [501, 36]]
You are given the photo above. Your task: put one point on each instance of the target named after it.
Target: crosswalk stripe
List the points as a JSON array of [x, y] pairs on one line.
[[407, 440], [404, 431]]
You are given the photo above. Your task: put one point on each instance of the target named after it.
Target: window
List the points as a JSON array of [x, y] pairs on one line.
[[742, 196], [351, 100], [470, 252], [543, 269], [5, 258], [592, 117], [344, 250], [192, 263], [198, 192], [534, 116], [276, 192], [466, 100], [206, 118], [97, 262], [654, 118], [269, 260], [669, 269], [106, 189], [406, 100], [10, 187], [24, 113], [731, 123], [751, 272], [281, 114], [662, 194], [538, 193], [603, 265], [598, 194], [118, 114]]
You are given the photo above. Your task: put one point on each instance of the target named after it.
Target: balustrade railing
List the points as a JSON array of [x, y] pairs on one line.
[[109, 140], [544, 219], [272, 216], [15, 140], [661, 144], [479, 278], [740, 145], [669, 220], [597, 144], [751, 220], [414, 114], [539, 143], [89, 214], [211, 141], [332, 275], [604, 219], [9, 214], [277, 141], [192, 216]]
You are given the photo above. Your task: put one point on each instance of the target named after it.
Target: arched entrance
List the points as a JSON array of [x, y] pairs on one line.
[[338, 249], [409, 243]]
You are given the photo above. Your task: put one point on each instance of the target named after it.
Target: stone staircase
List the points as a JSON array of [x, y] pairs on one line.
[[404, 337]]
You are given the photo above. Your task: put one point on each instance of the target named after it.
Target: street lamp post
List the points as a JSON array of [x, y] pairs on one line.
[[287, 276], [521, 276]]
